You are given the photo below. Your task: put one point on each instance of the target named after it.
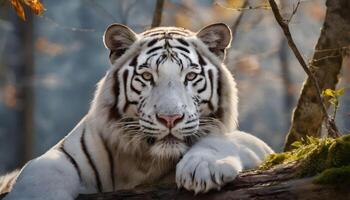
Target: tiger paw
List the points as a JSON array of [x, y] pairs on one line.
[[203, 171]]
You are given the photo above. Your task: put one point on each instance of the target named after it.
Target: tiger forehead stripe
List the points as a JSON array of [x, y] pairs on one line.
[[182, 41], [152, 42], [167, 30]]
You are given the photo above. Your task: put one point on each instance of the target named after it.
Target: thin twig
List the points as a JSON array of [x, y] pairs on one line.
[[295, 9], [157, 16], [234, 26], [74, 29], [102, 11], [243, 7], [330, 124]]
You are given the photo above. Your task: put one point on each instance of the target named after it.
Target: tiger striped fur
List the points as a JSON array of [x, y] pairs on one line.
[[165, 112]]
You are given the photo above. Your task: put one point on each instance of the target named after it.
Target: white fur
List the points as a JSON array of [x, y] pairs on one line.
[[217, 159], [210, 163], [47, 177]]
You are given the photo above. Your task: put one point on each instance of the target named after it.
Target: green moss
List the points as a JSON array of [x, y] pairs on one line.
[[274, 159], [308, 151], [334, 176], [339, 152], [316, 160], [315, 156]]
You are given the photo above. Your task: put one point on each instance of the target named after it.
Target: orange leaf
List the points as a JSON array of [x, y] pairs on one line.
[[36, 6], [18, 8]]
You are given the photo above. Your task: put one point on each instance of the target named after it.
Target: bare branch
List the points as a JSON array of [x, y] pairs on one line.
[[234, 26], [157, 16], [295, 9], [244, 7], [330, 124], [102, 11], [52, 22]]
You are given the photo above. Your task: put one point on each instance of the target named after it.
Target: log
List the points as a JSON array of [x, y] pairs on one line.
[[276, 183]]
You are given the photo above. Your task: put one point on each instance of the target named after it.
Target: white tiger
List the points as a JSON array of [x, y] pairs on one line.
[[165, 112]]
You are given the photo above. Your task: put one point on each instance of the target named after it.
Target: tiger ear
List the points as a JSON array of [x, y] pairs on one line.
[[118, 38], [217, 37]]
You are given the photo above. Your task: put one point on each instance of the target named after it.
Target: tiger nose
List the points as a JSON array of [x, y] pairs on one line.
[[169, 120]]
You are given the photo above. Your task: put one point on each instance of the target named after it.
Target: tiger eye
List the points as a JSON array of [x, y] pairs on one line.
[[190, 76], [147, 76]]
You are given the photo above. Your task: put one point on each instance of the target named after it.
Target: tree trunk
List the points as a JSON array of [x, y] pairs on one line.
[[25, 80], [20, 59], [157, 15], [326, 64]]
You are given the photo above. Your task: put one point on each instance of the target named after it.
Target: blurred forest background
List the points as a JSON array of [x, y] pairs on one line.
[[49, 65]]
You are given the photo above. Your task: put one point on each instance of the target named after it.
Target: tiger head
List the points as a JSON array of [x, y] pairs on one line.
[[167, 88]]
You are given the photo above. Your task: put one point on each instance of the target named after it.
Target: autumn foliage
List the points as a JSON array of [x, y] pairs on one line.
[[35, 5]]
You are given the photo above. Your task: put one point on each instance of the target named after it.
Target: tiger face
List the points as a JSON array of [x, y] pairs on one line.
[[168, 85]]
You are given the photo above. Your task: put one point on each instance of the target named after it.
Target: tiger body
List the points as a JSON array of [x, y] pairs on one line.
[[165, 112]]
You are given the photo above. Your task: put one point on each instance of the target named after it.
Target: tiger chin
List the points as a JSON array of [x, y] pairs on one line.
[[165, 113]]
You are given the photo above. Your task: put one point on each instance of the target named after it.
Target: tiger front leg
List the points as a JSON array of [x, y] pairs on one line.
[[204, 168], [217, 160], [50, 176]]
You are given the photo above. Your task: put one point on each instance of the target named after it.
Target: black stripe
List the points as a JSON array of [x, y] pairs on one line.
[[163, 31], [156, 33], [133, 62], [189, 127], [196, 99], [144, 65], [127, 101], [172, 33], [145, 120], [188, 58], [71, 160], [182, 41], [191, 64], [193, 120], [114, 111], [160, 59], [92, 164], [149, 57], [153, 49], [210, 105], [125, 81], [143, 84], [150, 128], [210, 73], [204, 87], [194, 65], [201, 61], [133, 88], [110, 159], [138, 92], [115, 54], [141, 104], [182, 49], [197, 81], [152, 42], [220, 111]]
